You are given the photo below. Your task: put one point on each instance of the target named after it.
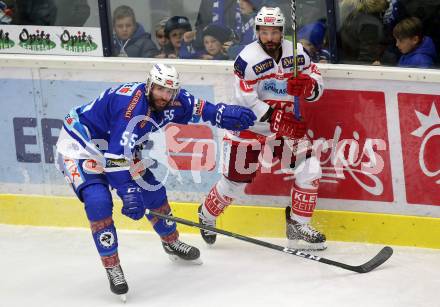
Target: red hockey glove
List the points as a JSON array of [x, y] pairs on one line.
[[285, 124], [301, 86]]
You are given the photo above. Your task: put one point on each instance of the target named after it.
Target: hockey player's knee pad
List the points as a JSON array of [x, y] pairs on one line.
[[97, 202], [104, 235], [308, 173], [162, 227]]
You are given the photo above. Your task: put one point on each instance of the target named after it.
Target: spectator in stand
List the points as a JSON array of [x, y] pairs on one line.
[[161, 38], [72, 13], [312, 36], [6, 13], [418, 50], [36, 12], [175, 28], [362, 33], [222, 12], [130, 38], [245, 26], [216, 39]]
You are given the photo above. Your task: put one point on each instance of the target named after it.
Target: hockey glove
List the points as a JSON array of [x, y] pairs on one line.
[[301, 86], [132, 201], [233, 117], [284, 124]]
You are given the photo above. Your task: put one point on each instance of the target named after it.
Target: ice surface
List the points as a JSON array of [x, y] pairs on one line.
[[60, 267]]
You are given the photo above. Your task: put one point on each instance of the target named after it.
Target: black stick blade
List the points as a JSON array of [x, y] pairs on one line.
[[380, 258]]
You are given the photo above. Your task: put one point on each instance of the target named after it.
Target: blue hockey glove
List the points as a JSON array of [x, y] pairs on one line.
[[233, 117], [132, 201]]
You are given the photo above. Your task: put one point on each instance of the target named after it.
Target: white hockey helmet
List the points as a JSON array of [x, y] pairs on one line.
[[269, 16], [164, 75]]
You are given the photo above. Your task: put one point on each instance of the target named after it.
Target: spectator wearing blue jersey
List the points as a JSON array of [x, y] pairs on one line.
[[417, 50], [100, 146]]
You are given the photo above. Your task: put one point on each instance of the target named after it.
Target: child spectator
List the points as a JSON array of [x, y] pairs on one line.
[[130, 38], [215, 37], [175, 28], [311, 36], [418, 50], [161, 39]]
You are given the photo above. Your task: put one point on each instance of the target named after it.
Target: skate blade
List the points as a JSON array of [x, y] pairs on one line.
[[177, 259], [123, 298], [306, 246]]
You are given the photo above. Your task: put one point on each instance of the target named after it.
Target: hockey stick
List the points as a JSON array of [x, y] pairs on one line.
[[295, 55], [376, 261]]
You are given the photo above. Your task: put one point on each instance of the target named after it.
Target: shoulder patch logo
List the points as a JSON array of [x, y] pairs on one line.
[[263, 66], [240, 67], [127, 89]]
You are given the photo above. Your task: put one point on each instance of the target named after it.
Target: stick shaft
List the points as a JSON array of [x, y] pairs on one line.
[[380, 258]]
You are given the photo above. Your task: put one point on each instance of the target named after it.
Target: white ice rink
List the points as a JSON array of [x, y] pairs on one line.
[[60, 267]]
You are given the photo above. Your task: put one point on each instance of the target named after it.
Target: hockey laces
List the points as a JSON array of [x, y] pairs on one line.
[[181, 247], [306, 228], [117, 276]]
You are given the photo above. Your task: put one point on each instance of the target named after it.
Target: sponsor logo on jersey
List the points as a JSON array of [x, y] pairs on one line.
[[288, 61], [5, 41], [79, 42], [127, 89], [240, 67], [115, 163], [273, 87], [198, 107], [91, 166], [134, 101], [263, 66], [245, 87]]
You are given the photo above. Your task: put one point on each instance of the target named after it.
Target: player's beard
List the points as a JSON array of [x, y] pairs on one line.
[[158, 107], [271, 48]]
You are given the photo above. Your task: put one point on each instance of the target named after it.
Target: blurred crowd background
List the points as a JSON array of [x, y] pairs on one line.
[[369, 32]]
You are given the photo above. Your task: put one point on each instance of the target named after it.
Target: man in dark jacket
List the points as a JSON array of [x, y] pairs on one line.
[[130, 38]]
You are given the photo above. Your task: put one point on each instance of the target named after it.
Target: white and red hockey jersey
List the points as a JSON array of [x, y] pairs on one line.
[[260, 81]]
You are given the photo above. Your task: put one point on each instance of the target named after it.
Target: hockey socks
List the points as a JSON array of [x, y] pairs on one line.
[[106, 241], [299, 232]]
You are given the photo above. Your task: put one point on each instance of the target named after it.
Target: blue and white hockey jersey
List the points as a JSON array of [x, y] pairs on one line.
[[109, 128]]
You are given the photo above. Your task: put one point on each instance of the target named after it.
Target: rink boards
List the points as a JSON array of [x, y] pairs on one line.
[[378, 127]]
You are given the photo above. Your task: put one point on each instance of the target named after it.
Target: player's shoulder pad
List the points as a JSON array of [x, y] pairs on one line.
[[240, 67], [183, 99], [127, 89]]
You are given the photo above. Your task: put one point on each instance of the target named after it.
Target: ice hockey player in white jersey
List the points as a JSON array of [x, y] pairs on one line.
[[99, 146], [264, 82]]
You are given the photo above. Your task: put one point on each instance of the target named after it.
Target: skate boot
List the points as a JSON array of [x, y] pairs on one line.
[[208, 236], [303, 236], [118, 284], [177, 250]]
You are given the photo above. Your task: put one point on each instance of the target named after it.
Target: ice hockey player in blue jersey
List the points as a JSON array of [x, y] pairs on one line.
[[99, 147]]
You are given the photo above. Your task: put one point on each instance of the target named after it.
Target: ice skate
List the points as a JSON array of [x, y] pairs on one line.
[[118, 284], [303, 236], [208, 236], [182, 252]]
